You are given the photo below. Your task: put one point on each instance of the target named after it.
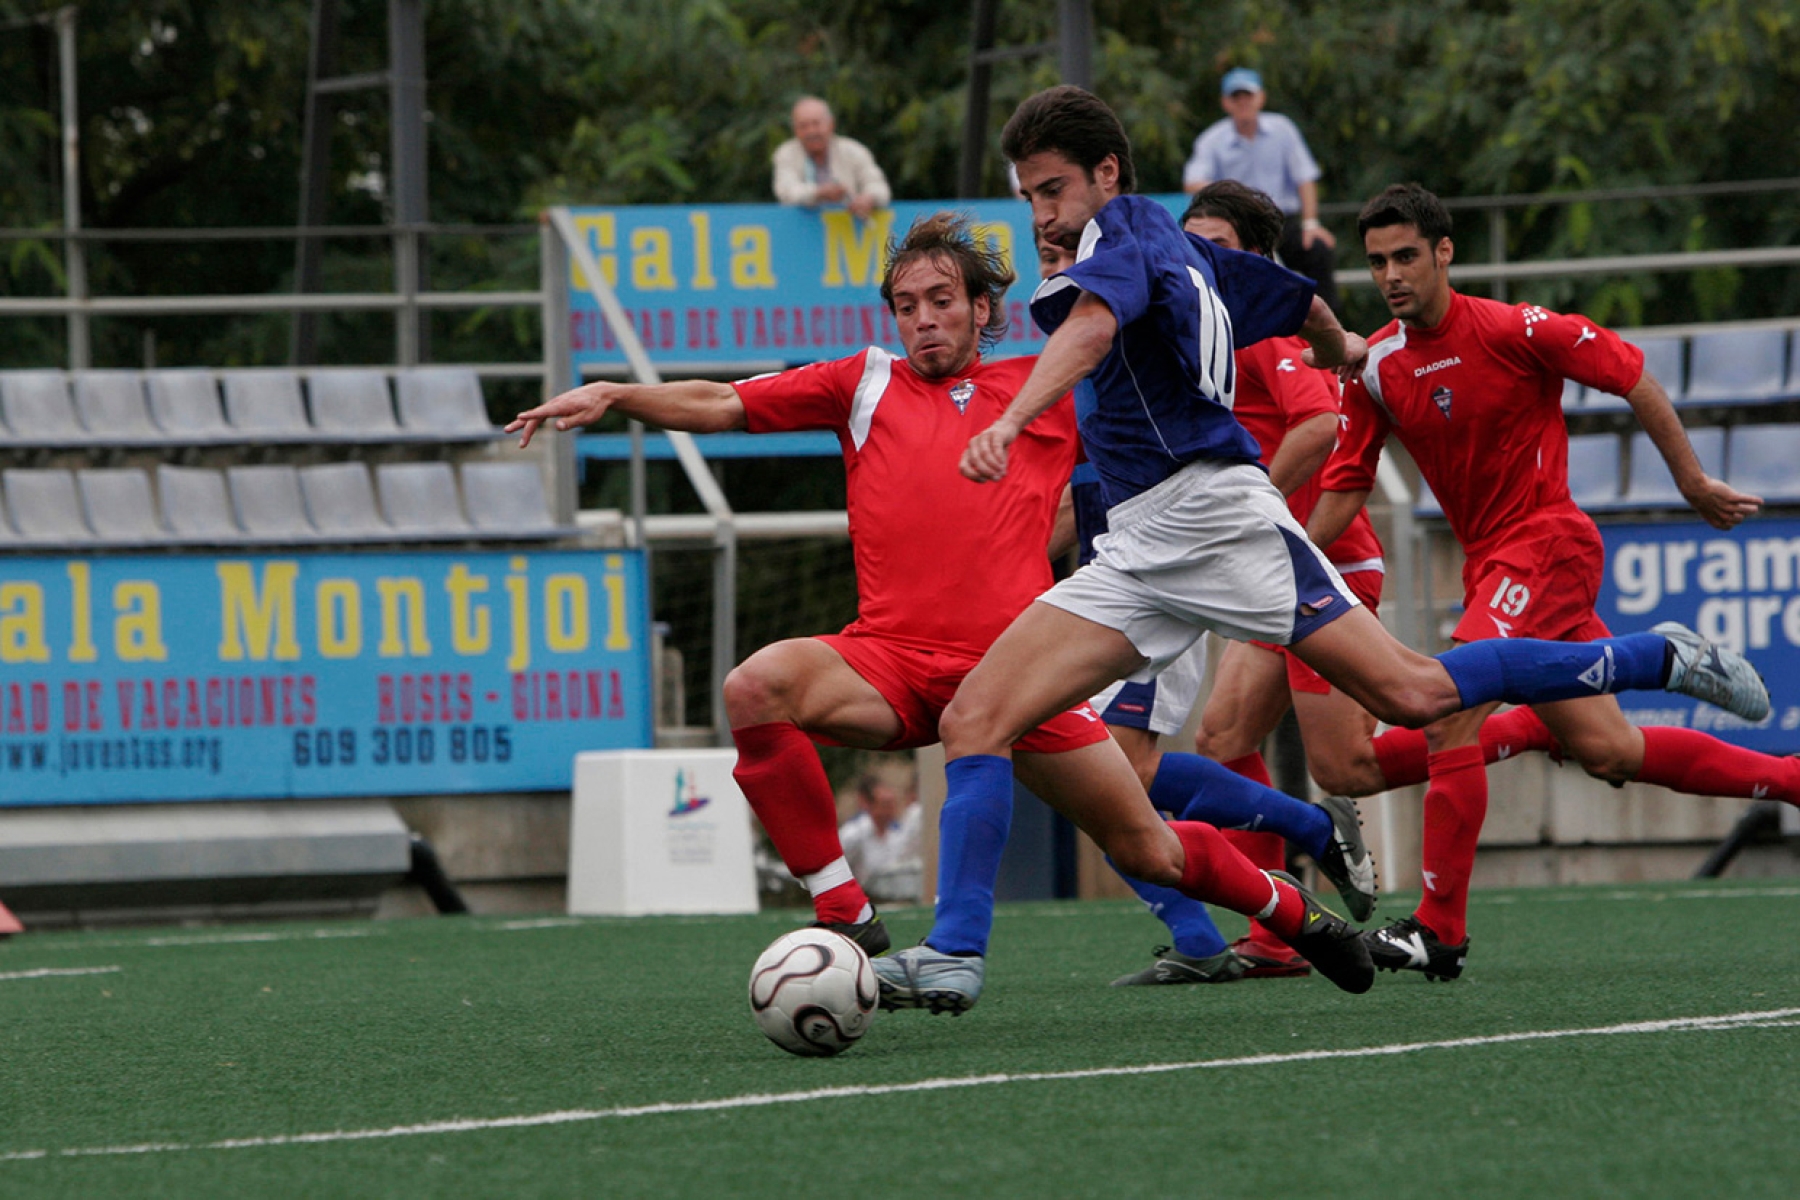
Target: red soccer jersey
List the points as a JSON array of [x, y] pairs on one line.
[[1477, 402], [942, 563], [1277, 391]]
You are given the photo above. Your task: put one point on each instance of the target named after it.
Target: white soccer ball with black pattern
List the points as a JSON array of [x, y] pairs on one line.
[[813, 992]]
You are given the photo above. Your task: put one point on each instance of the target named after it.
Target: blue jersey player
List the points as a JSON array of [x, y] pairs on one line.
[[1200, 539]]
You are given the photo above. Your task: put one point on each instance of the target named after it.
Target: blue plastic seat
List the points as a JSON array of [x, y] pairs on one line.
[[1594, 469], [1651, 484], [1764, 460], [1571, 397], [1663, 358], [1738, 365]]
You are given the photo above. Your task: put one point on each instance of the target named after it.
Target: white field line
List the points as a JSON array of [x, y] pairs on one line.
[[1742, 1020], [57, 972]]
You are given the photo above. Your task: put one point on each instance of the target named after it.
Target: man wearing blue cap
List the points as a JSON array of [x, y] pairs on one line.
[[1265, 151]]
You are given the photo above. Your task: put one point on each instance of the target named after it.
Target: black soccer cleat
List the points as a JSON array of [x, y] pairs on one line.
[[1172, 966], [871, 934], [1331, 944], [1407, 945]]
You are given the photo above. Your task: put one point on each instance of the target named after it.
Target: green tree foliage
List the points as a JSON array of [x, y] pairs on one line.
[[191, 117]]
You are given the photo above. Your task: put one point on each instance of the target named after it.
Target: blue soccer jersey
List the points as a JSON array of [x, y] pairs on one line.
[[1165, 389]]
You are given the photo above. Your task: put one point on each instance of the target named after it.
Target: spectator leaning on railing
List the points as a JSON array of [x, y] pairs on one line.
[[1266, 151], [818, 166]]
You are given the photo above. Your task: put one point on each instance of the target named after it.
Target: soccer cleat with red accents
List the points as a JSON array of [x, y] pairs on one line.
[[1269, 960]]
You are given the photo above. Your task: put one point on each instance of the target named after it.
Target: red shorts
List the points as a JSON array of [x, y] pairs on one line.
[[1542, 583], [1365, 586], [918, 684]]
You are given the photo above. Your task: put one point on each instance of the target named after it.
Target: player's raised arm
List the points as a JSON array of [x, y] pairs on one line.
[[1073, 351], [1329, 345], [1722, 505], [690, 405]]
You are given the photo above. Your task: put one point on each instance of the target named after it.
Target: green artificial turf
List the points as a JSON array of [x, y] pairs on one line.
[[202, 1037]]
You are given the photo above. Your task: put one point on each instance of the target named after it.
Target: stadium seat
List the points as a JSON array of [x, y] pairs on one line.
[[1764, 460], [444, 402], [340, 499], [8, 535], [1427, 504], [351, 405], [1792, 388], [37, 410], [1571, 397], [1662, 358], [195, 506], [185, 405], [45, 507], [507, 498], [120, 506], [420, 499], [1650, 482], [1737, 365], [1594, 469], [112, 407], [266, 406], [268, 504]]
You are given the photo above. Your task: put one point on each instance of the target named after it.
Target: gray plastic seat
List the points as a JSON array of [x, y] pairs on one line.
[[1743, 365], [1663, 356], [421, 498], [37, 408], [46, 508], [1650, 481], [120, 507], [507, 498], [340, 499], [352, 405], [1594, 469], [442, 402], [185, 405], [268, 504], [8, 535], [195, 506], [266, 405], [1571, 397], [1764, 460], [1792, 387], [1427, 504], [112, 407]]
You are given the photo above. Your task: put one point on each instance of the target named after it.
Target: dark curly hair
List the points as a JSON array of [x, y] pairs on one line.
[[949, 238], [1250, 212], [1073, 123], [1406, 204]]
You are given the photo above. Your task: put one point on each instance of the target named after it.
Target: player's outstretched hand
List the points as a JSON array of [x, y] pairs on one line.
[[1723, 506], [580, 406], [1355, 354], [984, 458]]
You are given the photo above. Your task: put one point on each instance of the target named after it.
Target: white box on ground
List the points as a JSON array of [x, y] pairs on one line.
[[659, 831]]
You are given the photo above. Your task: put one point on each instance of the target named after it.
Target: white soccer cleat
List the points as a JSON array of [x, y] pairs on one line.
[[1710, 672]]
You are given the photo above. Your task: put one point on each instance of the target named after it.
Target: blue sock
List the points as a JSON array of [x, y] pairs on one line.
[[1528, 671], [1190, 928], [1195, 788], [971, 836]]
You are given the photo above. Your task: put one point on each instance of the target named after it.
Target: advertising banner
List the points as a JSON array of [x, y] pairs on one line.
[[136, 678], [1741, 589], [741, 283]]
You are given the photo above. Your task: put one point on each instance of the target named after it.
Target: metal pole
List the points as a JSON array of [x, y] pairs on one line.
[[406, 119], [315, 175], [74, 254], [1497, 248], [981, 74], [1075, 33], [553, 271]]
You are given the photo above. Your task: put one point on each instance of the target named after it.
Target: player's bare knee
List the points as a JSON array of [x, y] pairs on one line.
[[1352, 777], [1602, 759], [756, 690], [971, 727], [1151, 859]]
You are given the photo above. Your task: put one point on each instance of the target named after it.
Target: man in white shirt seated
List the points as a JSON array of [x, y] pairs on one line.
[[882, 840], [818, 166]]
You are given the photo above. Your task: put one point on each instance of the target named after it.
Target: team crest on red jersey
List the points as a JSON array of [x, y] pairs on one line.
[[1440, 396], [961, 394]]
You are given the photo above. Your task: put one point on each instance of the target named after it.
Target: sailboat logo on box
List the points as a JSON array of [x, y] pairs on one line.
[[692, 802]]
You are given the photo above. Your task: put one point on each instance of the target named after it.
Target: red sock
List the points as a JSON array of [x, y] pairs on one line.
[[1403, 757], [780, 775], [1455, 806], [1701, 765], [1267, 851], [1215, 872]]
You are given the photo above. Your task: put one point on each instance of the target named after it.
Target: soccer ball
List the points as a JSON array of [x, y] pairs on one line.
[[813, 992]]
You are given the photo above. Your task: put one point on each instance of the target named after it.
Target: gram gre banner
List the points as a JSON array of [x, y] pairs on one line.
[[194, 677], [1741, 589], [763, 283]]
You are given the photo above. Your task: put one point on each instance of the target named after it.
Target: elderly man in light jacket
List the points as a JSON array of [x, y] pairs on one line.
[[816, 166]]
